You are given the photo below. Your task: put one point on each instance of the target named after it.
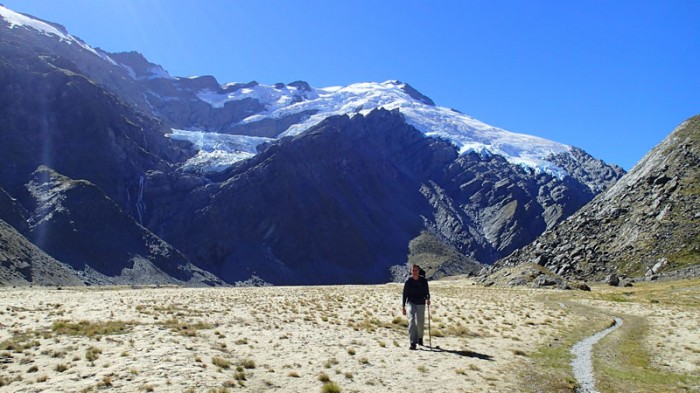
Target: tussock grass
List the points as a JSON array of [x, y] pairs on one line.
[[221, 362], [185, 328], [492, 339], [92, 354], [624, 364], [400, 322], [551, 370], [105, 383], [239, 376], [330, 363], [5, 380], [20, 342], [623, 361], [91, 329], [330, 387]]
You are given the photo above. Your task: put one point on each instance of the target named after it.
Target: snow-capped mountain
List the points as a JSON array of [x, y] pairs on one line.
[[287, 182], [17, 20], [465, 132], [308, 107]]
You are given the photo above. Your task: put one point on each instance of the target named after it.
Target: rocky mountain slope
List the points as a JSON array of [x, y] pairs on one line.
[[22, 263], [75, 222], [648, 223], [289, 183]]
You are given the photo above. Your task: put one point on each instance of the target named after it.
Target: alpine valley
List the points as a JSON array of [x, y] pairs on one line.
[[112, 171]]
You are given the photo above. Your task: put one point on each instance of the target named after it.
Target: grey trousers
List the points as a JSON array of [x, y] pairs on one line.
[[416, 321]]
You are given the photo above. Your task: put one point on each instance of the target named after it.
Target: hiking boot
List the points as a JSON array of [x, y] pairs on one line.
[[420, 342], [412, 347]]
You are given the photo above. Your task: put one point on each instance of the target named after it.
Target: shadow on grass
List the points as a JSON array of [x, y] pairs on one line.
[[469, 354]]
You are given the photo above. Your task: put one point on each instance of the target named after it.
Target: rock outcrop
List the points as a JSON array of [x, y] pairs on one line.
[[647, 224]]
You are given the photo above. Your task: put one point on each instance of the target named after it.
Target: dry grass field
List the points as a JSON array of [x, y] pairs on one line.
[[344, 339]]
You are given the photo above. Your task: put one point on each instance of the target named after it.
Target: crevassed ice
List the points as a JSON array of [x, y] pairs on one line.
[[465, 132], [216, 152]]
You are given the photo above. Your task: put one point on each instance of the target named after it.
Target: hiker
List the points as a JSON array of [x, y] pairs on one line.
[[417, 294]]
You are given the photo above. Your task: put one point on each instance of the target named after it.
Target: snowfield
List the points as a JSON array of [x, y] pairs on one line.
[[465, 132]]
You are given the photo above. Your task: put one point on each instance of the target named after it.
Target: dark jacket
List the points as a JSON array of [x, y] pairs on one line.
[[415, 291]]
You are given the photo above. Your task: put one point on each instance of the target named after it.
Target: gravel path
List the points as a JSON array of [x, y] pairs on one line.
[[583, 364]]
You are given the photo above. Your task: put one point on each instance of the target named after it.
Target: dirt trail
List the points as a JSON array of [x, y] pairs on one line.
[[583, 364]]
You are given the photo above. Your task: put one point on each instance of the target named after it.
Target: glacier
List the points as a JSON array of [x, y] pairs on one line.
[[216, 151], [465, 132]]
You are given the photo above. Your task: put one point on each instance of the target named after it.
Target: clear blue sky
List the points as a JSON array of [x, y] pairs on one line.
[[612, 77]]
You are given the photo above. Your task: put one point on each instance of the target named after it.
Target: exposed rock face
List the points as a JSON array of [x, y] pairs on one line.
[[594, 173], [487, 207], [647, 223], [50, 114], [341, 202], [22, 263], [529, 275], [336, 204], [76, 223], [12, 212], [438, 259]]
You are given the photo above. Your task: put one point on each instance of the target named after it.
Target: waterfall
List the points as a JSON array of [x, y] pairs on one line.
[[140, 204], [138, 208]]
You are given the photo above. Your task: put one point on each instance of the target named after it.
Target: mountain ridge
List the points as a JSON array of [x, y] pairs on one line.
[[253, 99], [644, 225], [286, 183]]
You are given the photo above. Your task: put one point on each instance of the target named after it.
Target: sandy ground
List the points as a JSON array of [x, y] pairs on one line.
[[288, 339]]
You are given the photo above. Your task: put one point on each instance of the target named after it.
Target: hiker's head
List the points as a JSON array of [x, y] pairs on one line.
[[415, 271]]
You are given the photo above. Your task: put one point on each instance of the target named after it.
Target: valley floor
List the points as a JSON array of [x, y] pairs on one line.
[[344, 338]]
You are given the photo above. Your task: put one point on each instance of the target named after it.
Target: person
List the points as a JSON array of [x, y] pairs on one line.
[[416, 294]]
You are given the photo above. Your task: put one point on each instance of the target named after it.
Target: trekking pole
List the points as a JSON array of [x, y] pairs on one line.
[[430, 336]]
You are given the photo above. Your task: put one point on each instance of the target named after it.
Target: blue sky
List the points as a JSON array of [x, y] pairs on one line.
[[611, 77]]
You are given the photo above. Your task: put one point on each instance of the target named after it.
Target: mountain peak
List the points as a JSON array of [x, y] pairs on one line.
[[138, 67], [253, 109], [17, 20], [416, 94], [310, 106]]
